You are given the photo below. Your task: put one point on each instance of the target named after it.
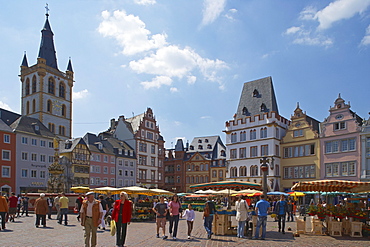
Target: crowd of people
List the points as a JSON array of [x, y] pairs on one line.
[[92, 213]]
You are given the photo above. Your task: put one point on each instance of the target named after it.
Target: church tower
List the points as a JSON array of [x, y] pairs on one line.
[[47, 91]]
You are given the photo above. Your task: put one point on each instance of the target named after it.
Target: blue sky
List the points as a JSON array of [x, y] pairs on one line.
[[188, 59]]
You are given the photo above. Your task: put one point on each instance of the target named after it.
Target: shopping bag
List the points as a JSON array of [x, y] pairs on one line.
[[112, 228]]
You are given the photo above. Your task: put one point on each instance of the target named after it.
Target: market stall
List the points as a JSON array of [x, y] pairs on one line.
[[350, 217]]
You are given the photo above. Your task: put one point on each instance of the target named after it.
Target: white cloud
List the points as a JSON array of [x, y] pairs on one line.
[[164, 61], [174, 90], [366, 39], [145, 2], [292, 30], [212, 10], [339, 10], [81, 94], [5, 106], [191, 79], [157, 82], [230, 14], [177, 123], [308, 13], [205, 117], [130, 32]]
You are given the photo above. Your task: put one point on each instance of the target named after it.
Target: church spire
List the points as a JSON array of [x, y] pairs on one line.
[[24, 61], [47, 50], [69, 66]]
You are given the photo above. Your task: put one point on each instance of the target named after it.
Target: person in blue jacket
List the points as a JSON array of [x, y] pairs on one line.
[[281, 209]]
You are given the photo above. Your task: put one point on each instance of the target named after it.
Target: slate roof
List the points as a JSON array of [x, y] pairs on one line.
[[135, 122], [8, 117], [24, 61], [47, 49], [5, 127], [93, 141], [208, 153], [29, 125], [179, 145], [254, 94], [314, 123], [64, 148], [69, 66]]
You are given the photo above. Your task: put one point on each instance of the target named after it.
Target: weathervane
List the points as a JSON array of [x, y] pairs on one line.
[[47, 9]]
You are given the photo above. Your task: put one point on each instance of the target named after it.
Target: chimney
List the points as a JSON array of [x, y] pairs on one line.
[[112, 123]]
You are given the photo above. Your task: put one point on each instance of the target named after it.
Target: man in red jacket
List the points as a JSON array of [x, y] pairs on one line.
[[121, 214], [13, 203]]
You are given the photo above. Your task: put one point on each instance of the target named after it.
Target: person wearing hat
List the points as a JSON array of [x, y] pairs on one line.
[[91, 215], [41, 209]]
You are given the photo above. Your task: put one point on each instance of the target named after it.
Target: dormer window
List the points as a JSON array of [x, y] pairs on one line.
[[339, 106], [255, 93], [245, 111], [100, 146], [191, 147], [263, 107], [199, 141], [119, 151], [200, 147], [206, 140], [209, 146]]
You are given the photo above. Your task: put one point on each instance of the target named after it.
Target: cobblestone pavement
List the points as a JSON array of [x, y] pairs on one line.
[[24, 233]]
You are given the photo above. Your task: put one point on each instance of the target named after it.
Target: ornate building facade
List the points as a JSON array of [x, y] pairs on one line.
[[300, 150], [255, 132], [340, 143], [365, 151]]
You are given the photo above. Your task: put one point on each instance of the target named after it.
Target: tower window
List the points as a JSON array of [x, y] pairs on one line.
[[51, 86], [49, 106], [255, 93], [27, 87], [28, 107], [34, 105], [51, 127], [34, 84], [62, 130], [62, 90], [63, 110]]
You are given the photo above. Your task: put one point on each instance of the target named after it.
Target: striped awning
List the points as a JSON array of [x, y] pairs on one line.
[[233, 185], [332, 185]]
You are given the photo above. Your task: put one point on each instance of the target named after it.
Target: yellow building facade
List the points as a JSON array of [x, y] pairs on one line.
[[300, 150]]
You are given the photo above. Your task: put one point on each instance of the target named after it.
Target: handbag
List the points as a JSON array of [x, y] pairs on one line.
[[112, 228]]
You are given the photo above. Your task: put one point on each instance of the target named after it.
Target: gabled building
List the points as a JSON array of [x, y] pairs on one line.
[[77, 154], [205, 161], [340, 143], [255, 132], [47, 91], [142, 133], [174, 168], [102, 161], [34, 154], [8, 154], [365, 151], [300, 149]]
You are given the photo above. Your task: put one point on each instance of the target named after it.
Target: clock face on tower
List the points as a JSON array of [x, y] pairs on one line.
[[57, 106]]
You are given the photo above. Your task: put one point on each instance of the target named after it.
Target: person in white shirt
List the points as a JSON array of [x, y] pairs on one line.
[[241, 207], [190, 216]]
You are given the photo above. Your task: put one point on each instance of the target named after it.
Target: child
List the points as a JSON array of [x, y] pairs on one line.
[[190, 216]]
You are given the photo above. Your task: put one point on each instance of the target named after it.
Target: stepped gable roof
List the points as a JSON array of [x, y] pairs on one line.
[[8, 117], [257, 97], [135, 122], [69, 145], [31, 126]]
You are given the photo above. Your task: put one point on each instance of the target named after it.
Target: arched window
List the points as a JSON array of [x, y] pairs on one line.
[[28, 107], [34, 84], [196, 179], [255, 93], [62, 90], [192, 179], [51, 86], [51, 127], [201, 179], [223, 153], [27, 89], [64, 109], [62, 130], [49, 106], [263, 132], [34, 105]]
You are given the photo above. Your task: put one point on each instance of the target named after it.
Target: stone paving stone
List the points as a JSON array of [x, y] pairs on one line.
[[24, 233]]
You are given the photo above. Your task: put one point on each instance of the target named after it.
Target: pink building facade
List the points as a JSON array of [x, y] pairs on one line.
[[340, 143]]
